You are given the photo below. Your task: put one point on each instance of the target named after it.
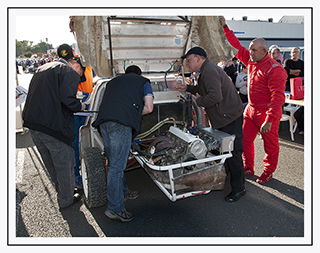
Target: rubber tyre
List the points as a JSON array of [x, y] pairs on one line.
[[94, 177]]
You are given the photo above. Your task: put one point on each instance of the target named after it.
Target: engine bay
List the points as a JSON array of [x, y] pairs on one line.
[[178, 145]]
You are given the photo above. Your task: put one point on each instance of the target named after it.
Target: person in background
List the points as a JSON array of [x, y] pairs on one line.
[[242, 83], [293, 66], [280, 57], [218, 95], [84, 90], [125, 100], [48, 113], [230, 69], [266, 85], [275, 54], [299, 116]]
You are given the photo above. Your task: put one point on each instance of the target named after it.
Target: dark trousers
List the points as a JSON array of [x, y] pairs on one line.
[[299, 116], [58, 158], [235, 163]]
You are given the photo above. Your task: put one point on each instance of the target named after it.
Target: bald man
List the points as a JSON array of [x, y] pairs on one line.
[[266, 86], [293, 66]]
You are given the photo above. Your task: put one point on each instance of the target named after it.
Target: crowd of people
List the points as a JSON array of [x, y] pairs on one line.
[[222, 89], [29, 65]]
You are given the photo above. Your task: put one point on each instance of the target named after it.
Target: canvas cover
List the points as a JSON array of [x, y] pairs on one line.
[[152, 43]]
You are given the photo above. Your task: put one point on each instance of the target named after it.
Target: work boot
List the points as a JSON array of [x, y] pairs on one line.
[[265, 177]]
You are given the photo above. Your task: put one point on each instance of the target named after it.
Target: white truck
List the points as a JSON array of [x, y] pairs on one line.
[[177, 147]]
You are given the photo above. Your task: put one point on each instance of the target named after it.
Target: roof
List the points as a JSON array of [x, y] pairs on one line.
[[292, 19]]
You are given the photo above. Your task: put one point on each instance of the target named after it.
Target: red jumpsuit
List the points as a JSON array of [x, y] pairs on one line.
[[266, 86]]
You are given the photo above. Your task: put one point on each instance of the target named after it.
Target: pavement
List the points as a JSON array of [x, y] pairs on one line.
[[272, 213]]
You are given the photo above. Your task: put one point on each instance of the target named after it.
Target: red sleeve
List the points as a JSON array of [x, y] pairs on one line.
[[243, 53], [277, 85]]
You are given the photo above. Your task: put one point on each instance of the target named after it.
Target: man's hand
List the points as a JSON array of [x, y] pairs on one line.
[[223, 21], [295, 72], [180, 87], [83, 106], [266, 127]]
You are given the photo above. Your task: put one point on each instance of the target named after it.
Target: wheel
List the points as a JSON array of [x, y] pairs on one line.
[[94, 177]]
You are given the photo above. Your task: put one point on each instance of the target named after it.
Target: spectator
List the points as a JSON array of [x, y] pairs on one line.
[[125, 100], [266, 85], [242, 83], [299, 116], [230, 69], [48, 113], [85, 88], [275, 53], [224, 108], [294, 66]]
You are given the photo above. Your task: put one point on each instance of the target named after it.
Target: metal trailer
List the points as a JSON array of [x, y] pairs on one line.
[[178, 180]]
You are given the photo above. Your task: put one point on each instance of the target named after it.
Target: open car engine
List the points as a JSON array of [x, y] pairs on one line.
[[178, 145]]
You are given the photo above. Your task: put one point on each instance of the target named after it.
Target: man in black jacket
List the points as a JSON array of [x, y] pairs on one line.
[[48, 113], [125, 100]]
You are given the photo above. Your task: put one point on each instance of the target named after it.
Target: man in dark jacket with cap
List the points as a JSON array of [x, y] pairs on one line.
[[48, 113], [216, 92]]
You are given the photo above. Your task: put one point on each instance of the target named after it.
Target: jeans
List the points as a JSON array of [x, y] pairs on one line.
[[117, 140], [58, 158], [78, 122]]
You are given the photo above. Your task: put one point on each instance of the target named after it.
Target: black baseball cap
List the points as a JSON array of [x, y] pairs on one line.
[[195, 50], [65, 51]]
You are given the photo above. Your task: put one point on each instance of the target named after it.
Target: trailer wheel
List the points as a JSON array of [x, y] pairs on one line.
[[94, 177]]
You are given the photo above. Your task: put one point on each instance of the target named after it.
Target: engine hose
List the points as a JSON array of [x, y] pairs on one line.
[[201, 122], [146, 154], [156, 127]]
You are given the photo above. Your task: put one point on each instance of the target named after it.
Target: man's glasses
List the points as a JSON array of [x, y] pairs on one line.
[[188, 59]]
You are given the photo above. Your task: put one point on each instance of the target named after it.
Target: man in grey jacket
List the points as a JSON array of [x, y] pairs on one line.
[[216, 92]]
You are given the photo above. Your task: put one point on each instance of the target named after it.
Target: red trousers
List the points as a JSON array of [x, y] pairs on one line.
[[252, 121]]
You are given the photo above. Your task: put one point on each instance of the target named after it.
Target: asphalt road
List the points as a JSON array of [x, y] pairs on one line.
[[273, 212]]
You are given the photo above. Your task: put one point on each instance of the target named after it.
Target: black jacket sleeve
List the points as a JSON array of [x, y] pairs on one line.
[[68, 90]]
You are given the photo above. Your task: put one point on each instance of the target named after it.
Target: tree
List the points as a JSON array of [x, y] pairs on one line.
[[25, 46]]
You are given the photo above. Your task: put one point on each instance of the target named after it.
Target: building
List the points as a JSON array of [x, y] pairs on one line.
[[288, 32]]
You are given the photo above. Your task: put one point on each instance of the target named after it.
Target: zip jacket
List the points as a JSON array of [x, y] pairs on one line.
[[51, 101], [266, 80]]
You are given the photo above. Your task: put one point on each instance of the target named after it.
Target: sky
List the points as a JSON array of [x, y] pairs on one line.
[[57, 30], [37, 27]]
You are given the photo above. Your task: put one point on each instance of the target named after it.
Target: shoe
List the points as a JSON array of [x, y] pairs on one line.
[[248, 171], [76, 198], [301, 132], [77, 190], [265, 177], [233, 197], [131, 195], [123, 215]]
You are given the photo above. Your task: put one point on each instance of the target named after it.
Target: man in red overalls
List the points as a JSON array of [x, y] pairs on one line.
[[266, 86]]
